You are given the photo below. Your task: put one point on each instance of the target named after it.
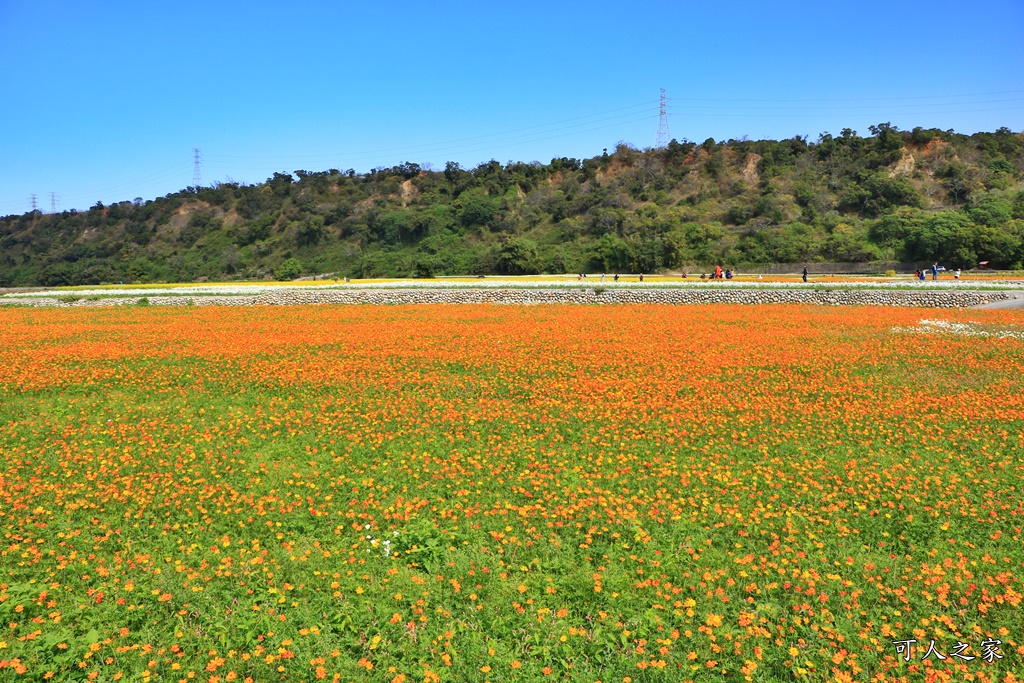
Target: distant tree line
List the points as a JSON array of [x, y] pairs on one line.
[[919, 195]]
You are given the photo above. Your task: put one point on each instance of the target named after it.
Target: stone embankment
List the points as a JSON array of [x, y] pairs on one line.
[[823, 297]]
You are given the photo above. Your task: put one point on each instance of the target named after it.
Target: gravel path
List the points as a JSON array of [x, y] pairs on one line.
[[1014, 300]]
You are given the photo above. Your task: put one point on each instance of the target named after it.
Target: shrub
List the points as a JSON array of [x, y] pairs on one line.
[[289, 270]]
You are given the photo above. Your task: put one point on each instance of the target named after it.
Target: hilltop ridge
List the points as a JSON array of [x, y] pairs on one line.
[[917, 195]]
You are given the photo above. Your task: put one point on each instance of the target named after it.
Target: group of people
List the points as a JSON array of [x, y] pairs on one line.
[[583, 276], [727, 274], [935, 269], [718, 274]]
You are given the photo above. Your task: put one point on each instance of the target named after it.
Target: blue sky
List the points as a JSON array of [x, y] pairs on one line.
[[105, 101]]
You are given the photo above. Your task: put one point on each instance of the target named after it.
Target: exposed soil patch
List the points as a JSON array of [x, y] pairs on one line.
[[905, 166], [750, 174]]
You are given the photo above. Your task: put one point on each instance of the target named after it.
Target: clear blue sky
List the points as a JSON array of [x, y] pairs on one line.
[[105, 101]]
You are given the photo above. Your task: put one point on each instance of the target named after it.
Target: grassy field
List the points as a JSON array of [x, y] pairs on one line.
[[483, 493]]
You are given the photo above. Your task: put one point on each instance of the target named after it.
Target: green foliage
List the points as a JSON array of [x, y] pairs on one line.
[[289, 270], [850, 243], [1017, 210], [310, 232], [893, 229], [199, 225], [953, 238], [840, 198], [517, 256], [877, 193], [991, 212], [475, 210]]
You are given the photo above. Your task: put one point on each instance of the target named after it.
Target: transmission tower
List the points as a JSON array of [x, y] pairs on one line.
[[53, 202], [663, 135], [197, 178], [35, 207]]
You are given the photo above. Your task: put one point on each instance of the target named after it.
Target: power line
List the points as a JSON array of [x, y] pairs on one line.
[[234, 167], [137, 186], [438, 148], [231, 161], [773, 109], [553, 126], [136, 182], [886, 112], [934, 105], [857, 99]]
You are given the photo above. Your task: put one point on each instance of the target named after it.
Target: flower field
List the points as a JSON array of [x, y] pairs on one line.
[[483, 493]]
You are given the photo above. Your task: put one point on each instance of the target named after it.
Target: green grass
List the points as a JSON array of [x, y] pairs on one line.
[[563, 491]]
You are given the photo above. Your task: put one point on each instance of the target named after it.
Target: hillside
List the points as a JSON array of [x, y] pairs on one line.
[[918, 195]]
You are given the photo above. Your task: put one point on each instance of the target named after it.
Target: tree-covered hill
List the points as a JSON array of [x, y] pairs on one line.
[[918, 195]]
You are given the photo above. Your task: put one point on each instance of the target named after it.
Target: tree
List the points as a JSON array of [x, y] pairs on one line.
[[231, 258], [476, 209], [876, 193], [199, 225], [310, 232], [517, 256], [610, 253], [893, 229], [280, 183], [943, 237], [991, 212], [957, 183], [394, 226], [887, 143], [289, 270], [56, 275]]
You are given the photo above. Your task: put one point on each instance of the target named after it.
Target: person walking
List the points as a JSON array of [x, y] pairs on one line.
[[805, 273], [935, 271]]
